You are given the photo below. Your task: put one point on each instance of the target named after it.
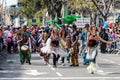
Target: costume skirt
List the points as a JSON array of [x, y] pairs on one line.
[[56, 50]]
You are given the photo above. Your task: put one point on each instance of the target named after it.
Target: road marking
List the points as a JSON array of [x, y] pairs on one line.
[[110, 61], [51, 67], [63, 78], [35, 73], [101, 72], [59, 74], [28, 72]]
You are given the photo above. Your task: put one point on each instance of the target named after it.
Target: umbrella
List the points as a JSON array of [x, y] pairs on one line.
[[70, 18]]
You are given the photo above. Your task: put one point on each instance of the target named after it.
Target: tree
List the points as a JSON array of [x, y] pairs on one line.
[[94, 8], [30, 7], [84, 8], [54, 7], [104, 8]]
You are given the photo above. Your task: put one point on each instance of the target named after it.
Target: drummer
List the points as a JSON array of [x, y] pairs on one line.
[[22, 40]]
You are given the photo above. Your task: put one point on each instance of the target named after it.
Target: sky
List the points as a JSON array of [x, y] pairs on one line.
[[9, 2]]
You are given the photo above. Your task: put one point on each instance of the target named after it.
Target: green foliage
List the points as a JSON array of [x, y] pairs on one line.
[[38, 8], [30, 7], [79, 4]]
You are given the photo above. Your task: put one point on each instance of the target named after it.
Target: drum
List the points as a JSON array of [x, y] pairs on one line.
[[24, 49]]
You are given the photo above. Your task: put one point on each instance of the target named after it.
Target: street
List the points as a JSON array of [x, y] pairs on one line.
[[62, 28], [108, 69]]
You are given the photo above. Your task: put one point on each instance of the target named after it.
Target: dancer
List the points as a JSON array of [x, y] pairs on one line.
[[92, 47], [52, 47], [23, 46], [74, 46], [62, 35], [84, 39]]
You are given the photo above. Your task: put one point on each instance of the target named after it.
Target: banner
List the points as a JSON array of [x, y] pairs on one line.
[[80, 22]]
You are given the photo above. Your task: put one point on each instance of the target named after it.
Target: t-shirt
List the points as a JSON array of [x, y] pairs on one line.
[[76, 33], [28, 34], [84, 37]]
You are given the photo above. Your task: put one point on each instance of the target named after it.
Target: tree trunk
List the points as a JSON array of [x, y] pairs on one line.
[[105, 18]]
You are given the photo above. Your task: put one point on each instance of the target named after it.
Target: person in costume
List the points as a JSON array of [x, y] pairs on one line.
[[14, 39], [84, 39], [68, 46], [52, 47], [62, 35], [9, 43], [92, 47], [46, 35], [55, 46], [23, 47], [74, 46], [104, 36]]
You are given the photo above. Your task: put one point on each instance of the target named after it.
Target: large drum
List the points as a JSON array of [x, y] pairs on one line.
[[24, 49], [25, 54]]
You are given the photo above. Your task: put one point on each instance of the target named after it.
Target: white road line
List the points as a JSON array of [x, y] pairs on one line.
[[109, 61], [112, 62], [63, 78], [59, 74], [27, 72], [51, 67]]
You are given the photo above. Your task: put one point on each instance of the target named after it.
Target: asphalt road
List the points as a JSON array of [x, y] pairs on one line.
[[108, 68]]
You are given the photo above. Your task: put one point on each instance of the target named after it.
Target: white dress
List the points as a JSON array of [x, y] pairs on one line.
[[56, 50], [47, 47]]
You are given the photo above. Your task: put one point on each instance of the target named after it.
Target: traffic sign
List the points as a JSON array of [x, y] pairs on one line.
[[34, 20], [19, 4]]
